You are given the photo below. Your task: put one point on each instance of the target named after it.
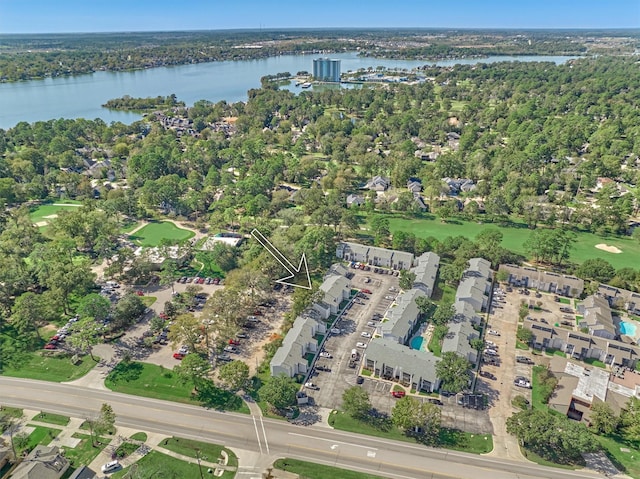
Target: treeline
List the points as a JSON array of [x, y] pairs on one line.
[[127, 103]]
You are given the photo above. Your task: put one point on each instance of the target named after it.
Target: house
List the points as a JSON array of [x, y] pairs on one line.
[[475, 285], [158, 255], [300, 341], [374, 256], [391, 360], [414, 185], [355, 200], [43, 462], [340, 270], [459, 185], [83, 472], [401, 319], [621, 298], [597, 317], [426, 271], [526, 277], [335, 289], [419, 202], [378, 183]]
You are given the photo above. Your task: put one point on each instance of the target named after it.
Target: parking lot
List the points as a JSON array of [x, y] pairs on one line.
[[352, 323]]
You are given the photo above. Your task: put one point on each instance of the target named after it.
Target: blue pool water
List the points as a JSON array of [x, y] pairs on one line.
[[628, 329], [416, 343]]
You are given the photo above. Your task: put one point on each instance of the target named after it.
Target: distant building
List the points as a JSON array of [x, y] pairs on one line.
[[43, 462], [523, 276], [325, 69], [375, 256]]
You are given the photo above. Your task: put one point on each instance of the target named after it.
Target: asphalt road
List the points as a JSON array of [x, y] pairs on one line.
[[273, 438]]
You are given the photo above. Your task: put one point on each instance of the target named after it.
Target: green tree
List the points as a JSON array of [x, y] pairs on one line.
[[279, 392], [31, 311], [524, 335], [356, 403], [603, 419], [94, 306], [129, 308], [185, 329], [380, 229], [477, 344], [406, 279], [235, 375], [444, 313], [156, 324], [193, 369], [84, 336], [596, 269], [453, 371], [410, 415], [106, 420], [630, 420]]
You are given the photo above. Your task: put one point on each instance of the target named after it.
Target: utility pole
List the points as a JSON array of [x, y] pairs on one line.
[[199, 465]]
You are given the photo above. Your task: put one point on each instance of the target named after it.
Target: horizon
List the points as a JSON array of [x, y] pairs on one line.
[[122, 16]]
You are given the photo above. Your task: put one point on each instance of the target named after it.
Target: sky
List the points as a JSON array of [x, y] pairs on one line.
[[45, 16]]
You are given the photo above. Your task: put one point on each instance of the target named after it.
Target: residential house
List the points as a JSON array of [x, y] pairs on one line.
[[391, 360], [355, 200], [426, 271], [378, 183], [335, 289], [374, 256], [459, 185], [621, 298], [563, 285], [401, 319], [290, 358], [419, 202], [43, 462], [84, 472], [597, 317], [340, 270], [414, 185], [458, 339]]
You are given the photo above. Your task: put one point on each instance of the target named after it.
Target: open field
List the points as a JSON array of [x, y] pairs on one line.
[[153, 234], [150, 380], [155, 465], [43, 213], [56, 368], [514, 238]]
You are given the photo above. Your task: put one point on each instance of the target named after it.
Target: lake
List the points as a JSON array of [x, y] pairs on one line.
[[82, 96]]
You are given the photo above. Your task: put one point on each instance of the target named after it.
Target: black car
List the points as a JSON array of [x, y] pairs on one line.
[[435, 401], [359, 380], [488, 375]]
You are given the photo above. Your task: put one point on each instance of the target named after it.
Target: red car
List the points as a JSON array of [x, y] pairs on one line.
[[56, 338], [366, 291], [216, 281], [50, 346], [139, 293], [257, 312], [163, 316], [178, 356], [398, 394], [235, 342]]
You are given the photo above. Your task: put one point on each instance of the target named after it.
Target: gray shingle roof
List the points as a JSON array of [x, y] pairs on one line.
[[421, 364], [401, 316], [294, 343], [426, 272]]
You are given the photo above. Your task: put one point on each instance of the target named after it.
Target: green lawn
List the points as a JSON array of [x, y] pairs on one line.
[[533, 457], [595, 362], [139, 436], [150, 380], [56, 368], [514, 238], [627, 459], [148, 300], [153, 234], [310, 470], [41, 212], [155, 465], [51, 418], [84, 452], [449, 438], [128, 226], [208, 452], [435, 346], [41, 435], [536, 389]]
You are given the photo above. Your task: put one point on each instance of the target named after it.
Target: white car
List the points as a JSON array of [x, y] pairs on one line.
[[490, 352], [493, 332], [491, 344], [325, 354], [311, 386], [110, 466], [335, 331], [364, 334], [361, 345], [183, 350], [371, 323]]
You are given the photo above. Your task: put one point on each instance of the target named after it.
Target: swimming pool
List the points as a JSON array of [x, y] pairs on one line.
[[416, 343], [628, 329]]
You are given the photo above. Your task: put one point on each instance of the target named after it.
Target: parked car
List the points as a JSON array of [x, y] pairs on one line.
[[110, 466], [490, 352], [361, 345], [323, 368], [371, 323], [234, 342], [493, 332], [366, 291], [524, 360], [335, 331], [522, 382], [435, 401], [398, 394], [231, 349], [242, 335], [183, 350], [139, 293], [215, 281], [364, 334], [310, 385], [179, 356], [224, 357], [359, 380], [325, 354], [488, 375], [50, 346]]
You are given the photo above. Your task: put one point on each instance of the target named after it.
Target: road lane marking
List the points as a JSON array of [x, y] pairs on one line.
[[332, 441], [255, 425], [266, 443], [371, 453]]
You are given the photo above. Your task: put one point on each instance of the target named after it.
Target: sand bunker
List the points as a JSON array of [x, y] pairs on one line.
[[608, 249]]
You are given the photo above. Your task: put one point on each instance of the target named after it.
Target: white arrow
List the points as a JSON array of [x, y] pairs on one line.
[[301, 273]]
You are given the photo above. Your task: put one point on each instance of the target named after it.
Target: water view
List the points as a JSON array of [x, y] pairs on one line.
[[82, 96]]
